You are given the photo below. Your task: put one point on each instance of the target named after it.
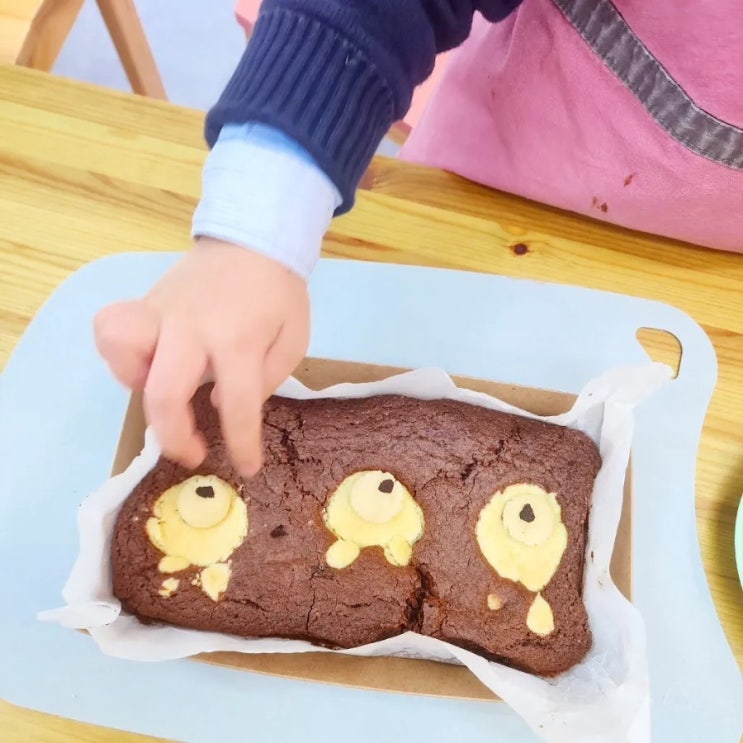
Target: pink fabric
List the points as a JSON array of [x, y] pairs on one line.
[[527, 107], [423, 92], [246, 12]]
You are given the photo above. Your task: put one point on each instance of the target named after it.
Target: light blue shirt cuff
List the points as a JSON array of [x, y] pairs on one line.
[[263, 191]]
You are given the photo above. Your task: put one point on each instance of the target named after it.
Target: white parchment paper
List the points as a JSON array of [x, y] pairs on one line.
[[604, 698]]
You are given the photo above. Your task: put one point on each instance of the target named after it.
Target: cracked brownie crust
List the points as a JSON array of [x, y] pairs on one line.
[[452, 457]]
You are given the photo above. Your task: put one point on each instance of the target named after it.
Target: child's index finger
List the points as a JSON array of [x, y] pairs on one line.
[[239, 376], [174, 377]]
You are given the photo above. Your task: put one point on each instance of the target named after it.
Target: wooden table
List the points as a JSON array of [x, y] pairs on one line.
[[86, 172]]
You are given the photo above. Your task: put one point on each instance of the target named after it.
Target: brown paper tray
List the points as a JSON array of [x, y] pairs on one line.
[[388, 674]]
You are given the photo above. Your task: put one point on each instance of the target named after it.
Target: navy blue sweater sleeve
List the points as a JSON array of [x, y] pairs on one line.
[[334, 75]]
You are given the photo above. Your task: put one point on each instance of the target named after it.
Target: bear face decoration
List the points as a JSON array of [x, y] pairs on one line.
[[199, 522], [372, 508], [521, 535]]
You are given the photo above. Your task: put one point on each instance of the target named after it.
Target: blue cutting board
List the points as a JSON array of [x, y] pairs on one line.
[[60, 418]]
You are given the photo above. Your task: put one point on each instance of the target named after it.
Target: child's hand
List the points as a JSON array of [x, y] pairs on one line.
[[221, 310]]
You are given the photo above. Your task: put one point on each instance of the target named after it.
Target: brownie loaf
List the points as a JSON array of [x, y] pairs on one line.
[[369, 518]]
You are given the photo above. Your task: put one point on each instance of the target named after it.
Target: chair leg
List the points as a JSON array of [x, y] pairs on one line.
[[125, 27], [49, 30]]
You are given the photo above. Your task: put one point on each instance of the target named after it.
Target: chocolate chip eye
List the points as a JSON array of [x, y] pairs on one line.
[[527, 514], [386, 486], [205, 491]]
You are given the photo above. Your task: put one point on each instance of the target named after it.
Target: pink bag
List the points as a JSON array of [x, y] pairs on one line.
[[626, 111]]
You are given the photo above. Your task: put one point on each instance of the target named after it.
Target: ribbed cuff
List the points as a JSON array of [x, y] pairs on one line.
[[302, 77]]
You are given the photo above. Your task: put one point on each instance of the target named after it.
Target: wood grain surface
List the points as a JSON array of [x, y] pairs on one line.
[[86, 172]]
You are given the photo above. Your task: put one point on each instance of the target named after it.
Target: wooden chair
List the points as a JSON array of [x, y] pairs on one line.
[[246, 12], [32, 33]]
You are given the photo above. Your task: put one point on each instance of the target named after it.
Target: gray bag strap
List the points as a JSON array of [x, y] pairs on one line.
[[604, 29]]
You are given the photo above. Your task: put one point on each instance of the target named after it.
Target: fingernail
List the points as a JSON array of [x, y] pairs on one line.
[[249, 469], [194, 458]]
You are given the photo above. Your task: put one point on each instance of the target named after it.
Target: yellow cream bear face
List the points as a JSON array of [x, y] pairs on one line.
[[198, 522], [372, 509], [521, 535]]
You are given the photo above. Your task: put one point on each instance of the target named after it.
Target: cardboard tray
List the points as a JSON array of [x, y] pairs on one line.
[[379, 673]]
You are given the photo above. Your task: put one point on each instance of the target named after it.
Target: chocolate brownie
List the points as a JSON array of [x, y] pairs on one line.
[[369, 518]]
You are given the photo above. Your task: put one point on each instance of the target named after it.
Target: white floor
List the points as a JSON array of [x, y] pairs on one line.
[[196, 44]]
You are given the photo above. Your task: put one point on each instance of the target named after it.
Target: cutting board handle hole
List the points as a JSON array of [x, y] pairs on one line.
[[661, 346]]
